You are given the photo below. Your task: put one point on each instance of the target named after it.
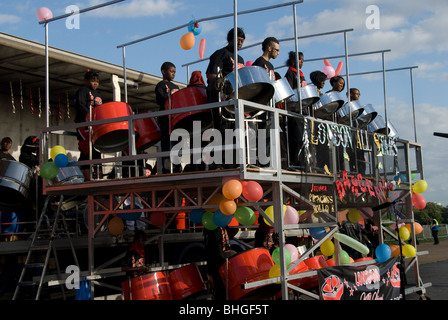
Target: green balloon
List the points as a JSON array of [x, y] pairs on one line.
[[276, 256], [245, 216], [49, 170], [343, 256], [207, 221]]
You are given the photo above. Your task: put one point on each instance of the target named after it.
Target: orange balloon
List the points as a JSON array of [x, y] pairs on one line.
[[232, 189], [394, 249], [187, 41], [115, 226], [417, 227], [227, 206], [214, 200]]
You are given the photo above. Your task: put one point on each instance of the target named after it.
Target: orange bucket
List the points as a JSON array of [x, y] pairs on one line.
[[186, 282], [150, 286], [149, 133]]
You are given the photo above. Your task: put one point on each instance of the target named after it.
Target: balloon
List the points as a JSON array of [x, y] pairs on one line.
[[318, 233], [327, 248], [56, 150], [293, 252], [187, 41], [221, 219], [275, 272], [420, 186], [329, 71], [44, 13], [157, 218], [214, 200], [196, 215], [417, 227], [338, 68], [394, 249], [232, 189], [404, 233], [418, 201], [115, 226], [207, 221], [49, 170], [276, 256], [344, 258], [291, 216], [252, 191], [408, 251], [202, 48], [249, 63], [227, 206], [352, 243], [61, 160], [245, 216], [270, 213], [195, 27], [354, 215], [382, 252]]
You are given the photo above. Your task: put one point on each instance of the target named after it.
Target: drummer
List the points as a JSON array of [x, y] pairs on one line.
[[318, 78], [134, 261], [164, 89], [85, 98], [221, 64], [271, 49], [337, 84], [6, 146], [291, 73]]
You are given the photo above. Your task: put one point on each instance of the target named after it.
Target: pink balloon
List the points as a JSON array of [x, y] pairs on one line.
[[418, 201], [329, 71], [291, 216], [44, 13], [252, 191], [201, 48], [339, 68], [249, 63], [293, 251]]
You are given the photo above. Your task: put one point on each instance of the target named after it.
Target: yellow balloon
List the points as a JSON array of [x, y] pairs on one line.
[[56, 150], [404, 233], [115, 226], [275, 271], [420, 186], [270, 213], [409, 251], [354, 215], [327, 248]]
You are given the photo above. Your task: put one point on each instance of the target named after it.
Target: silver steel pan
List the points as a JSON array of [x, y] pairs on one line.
[[353, 107], [282, 91], [253, 85], [328, 104], [378, 125], [15, 179], [308, 95], [367, 116], [68, 175]]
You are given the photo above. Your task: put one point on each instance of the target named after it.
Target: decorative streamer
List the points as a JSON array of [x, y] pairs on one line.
[[31, 100], [68, 106], [59, 105], [12, 98], [21, 95], [40, 105]]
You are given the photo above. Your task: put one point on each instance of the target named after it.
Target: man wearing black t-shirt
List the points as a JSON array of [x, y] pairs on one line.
[[271, 49]]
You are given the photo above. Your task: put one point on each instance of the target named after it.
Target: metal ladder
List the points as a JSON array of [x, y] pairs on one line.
[[53, 232]]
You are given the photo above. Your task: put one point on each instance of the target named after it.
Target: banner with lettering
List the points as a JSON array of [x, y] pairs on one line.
[[379, 281]]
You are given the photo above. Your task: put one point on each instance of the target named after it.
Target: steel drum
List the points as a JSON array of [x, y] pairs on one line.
[[150, 286], [111, 137], [189, 97], [328, 104], [149, 133], [313, 263], [308, 94], [282, 91], [248, 266], [15, 179], [186, 282], [67, 175], [367, 116], [253, 85], [378, 125], [353, 107]]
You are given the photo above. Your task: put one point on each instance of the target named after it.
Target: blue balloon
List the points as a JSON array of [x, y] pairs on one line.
[[382, 252], [61, 160], [221, 219], [196, 215], [318, 233], [131, 216], [192, 28]]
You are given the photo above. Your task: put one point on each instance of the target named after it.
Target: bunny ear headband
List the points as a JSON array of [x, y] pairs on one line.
[[329, 70]]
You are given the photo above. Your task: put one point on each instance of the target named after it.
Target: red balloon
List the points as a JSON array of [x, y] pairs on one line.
[[157, 218], [252, 191], [418, 201], [202, 48]]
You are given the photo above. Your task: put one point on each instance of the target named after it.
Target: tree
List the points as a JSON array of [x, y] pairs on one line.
[[432, 210]]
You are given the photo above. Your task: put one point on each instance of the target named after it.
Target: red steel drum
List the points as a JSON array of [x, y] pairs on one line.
[[364, 259], [189, 97], [301, 267], [249, 266], [111, 137], [186, 282], [150, 286], [149, 133]]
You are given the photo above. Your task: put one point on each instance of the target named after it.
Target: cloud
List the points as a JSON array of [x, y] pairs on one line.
[[138, 8], [9, 19]]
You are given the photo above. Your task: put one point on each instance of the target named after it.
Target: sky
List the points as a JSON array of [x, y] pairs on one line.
[[412, 33]]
